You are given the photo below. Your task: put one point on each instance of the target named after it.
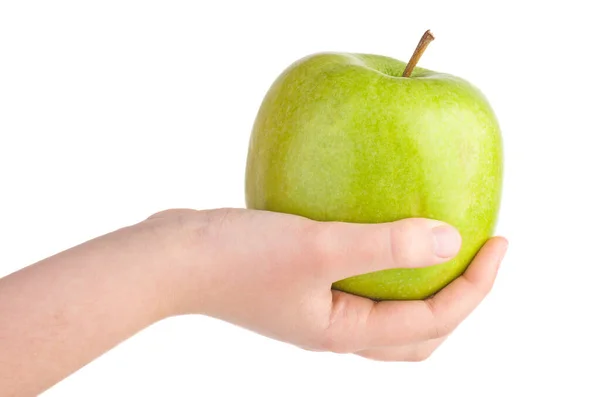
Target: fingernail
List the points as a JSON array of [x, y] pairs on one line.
[[446, 241]]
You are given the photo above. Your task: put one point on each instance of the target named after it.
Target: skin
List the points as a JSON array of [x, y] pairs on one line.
[[267, 272], [343, 137]]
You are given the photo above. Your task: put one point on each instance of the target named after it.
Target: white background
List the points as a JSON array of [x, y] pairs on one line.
[[113, 110]]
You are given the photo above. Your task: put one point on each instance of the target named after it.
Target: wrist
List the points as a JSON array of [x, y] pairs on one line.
[[180, 244]]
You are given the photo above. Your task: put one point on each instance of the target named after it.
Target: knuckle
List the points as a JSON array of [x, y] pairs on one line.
[[425, 351], [443, 330], [483, 288], [440, 328], [335, 344], [419, 356], [406, 244], [222, 216], [339, 336], [212, 223], [320, 242], [335, 339]]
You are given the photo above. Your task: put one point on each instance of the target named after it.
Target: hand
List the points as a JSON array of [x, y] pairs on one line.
[[272, 273]]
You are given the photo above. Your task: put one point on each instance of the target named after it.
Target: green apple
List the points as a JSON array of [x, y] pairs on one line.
[[345, 137]]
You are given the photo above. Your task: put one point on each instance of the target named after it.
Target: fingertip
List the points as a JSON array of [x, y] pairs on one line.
[[497, 246], [487, 261], [503, 241], [502, 244]]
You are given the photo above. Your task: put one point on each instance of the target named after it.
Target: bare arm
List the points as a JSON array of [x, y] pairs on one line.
[[59, 314]]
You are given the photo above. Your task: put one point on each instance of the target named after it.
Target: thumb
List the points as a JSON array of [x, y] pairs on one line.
[[350, 249]]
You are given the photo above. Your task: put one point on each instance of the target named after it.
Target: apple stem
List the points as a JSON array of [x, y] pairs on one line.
[[423, 43]]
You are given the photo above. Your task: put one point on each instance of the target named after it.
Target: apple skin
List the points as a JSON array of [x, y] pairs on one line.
[[343, 137]]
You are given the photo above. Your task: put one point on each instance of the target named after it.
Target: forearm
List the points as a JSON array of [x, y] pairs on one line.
[[61, 313]]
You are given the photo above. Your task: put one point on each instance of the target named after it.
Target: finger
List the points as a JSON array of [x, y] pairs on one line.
[[454, 303], [413, 353], [348, 249], [358, 323], [397, 323]]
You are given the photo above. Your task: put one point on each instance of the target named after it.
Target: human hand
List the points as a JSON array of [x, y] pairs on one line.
[[272, 273]]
